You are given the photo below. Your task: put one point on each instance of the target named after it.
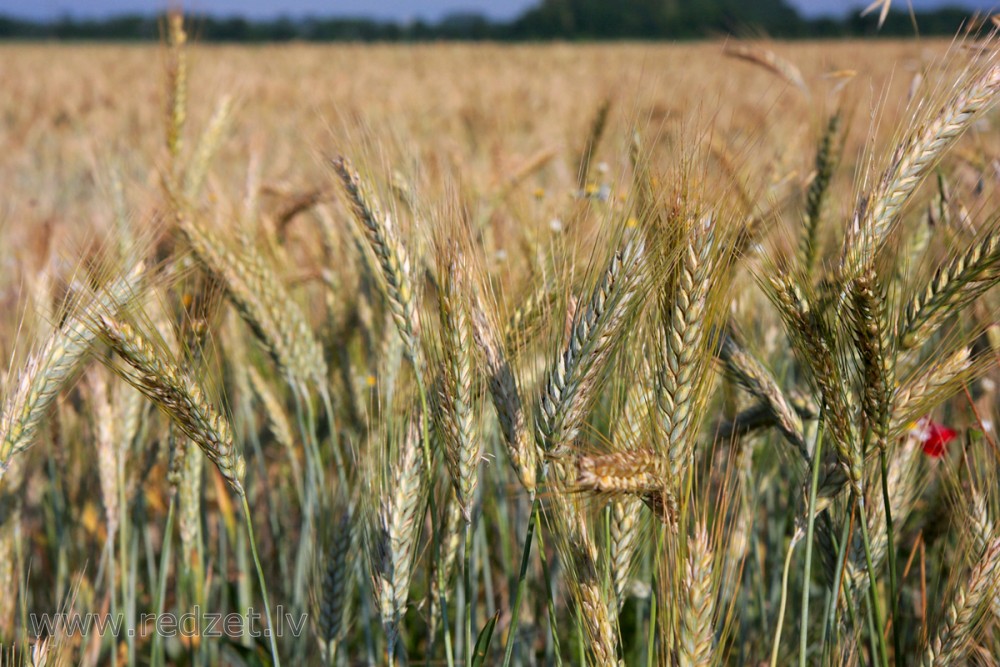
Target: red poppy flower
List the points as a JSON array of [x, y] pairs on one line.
[[935, 438]]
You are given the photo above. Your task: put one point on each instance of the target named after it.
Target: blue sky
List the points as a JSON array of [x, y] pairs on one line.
[[386, 9]]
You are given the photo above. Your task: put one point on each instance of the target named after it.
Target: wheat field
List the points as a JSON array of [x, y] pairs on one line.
[[567, 354]]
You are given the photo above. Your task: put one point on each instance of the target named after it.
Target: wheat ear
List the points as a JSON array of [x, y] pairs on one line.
[[587, 580], [921, 392], [521, 449], [626, 511], [955, 284], [878, 212], [697, 634], [178, 395], [177, 86], [812, 340], [11, 498], [55, 364], [683, 343], [964, 614], [826, 162], [336, 584], [877, 359], [263, 303], [638, 472], [462, 444], [393, 541], [574, 377], [758, 380], [443, 568], [770, 61], [108, 445], [393, 262]]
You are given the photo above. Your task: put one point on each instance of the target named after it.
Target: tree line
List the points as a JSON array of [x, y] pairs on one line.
[[551, 19]]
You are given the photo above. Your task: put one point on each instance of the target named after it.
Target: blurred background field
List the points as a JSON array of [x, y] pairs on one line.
[[75, 111]]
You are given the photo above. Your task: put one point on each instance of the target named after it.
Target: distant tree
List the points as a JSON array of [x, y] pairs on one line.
[[598, 19]]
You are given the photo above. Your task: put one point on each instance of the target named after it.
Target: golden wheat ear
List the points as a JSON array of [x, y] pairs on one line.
[[58, 361], [393, 522], [878, 212]]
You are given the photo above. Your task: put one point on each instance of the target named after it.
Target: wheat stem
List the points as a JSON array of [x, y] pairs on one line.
[[522, 581], [776, 645], [156, 652], [810, 526], [272, 628], [876, 606], [890, 537]]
